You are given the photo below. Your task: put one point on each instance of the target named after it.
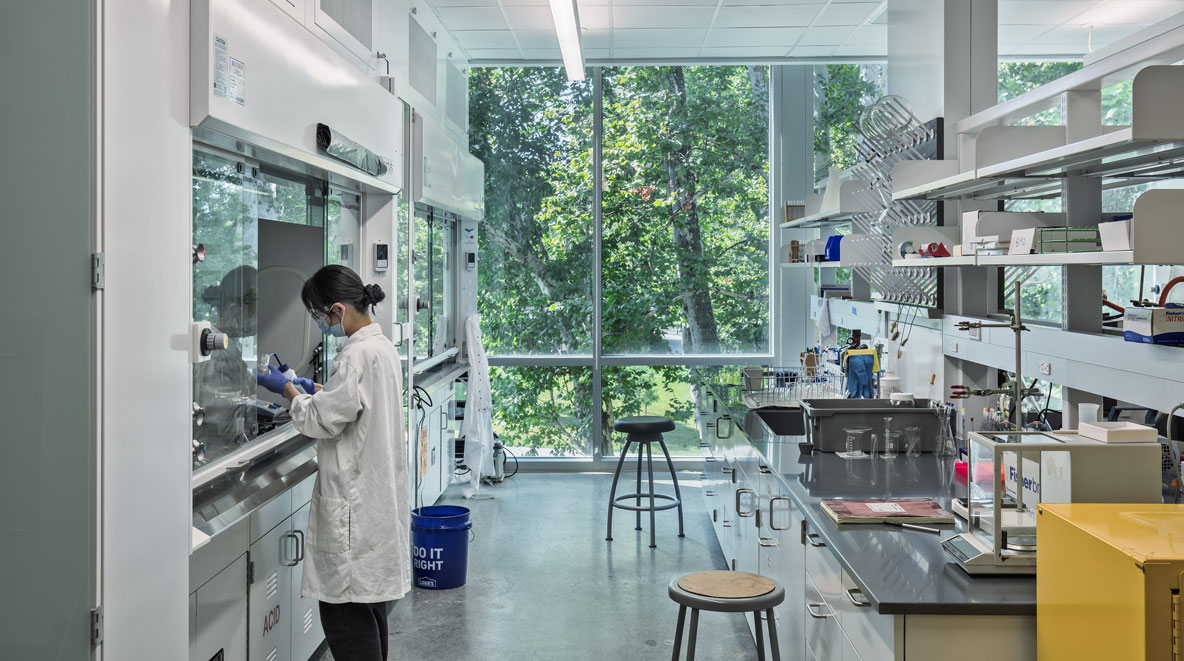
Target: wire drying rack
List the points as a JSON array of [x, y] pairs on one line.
[[785, 387]]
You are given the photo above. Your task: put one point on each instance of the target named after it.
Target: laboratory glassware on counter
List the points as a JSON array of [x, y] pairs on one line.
[[912, 437]]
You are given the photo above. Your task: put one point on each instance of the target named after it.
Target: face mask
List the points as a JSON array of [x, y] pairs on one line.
[[336, 330]]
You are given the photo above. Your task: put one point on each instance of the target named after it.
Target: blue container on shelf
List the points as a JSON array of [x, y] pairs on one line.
[[440, 546]]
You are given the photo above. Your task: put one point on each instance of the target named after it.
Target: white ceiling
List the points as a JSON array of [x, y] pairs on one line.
[[511, 30]]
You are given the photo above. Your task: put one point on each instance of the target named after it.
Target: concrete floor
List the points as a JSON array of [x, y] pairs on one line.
[[544, 584]]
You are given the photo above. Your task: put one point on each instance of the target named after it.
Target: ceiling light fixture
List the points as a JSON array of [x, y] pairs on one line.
[[567, 28]]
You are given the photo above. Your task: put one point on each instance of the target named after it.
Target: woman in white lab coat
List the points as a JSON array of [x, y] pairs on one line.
[[358, 531]]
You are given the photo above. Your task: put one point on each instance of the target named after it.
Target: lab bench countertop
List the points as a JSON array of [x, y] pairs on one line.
[[902, 572]]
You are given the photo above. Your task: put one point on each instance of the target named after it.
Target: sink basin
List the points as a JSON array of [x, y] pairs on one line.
[[783, 422]]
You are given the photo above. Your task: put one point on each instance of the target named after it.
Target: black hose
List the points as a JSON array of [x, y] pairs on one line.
[[507, 451]]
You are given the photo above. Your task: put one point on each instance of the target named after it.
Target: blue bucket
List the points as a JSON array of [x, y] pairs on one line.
[[440, 546]]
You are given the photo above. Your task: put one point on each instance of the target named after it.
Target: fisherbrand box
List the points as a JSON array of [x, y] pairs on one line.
[[1154, 325]]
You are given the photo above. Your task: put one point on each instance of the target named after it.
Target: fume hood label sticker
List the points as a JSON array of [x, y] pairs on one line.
[[238, 82], [221, 65]]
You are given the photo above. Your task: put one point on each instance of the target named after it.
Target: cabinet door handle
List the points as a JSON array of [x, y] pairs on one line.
[[767, 542], [773, 526], [857, 602], [719, 426], [816, 615], [296, 560], [811, 536], [739, 509]]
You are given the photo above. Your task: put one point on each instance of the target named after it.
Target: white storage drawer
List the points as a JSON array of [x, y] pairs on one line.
[[823, 567], [871, 633], [823, 635]]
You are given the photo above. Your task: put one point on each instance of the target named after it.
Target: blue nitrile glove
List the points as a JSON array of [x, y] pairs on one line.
[[305, 384], [273, 379]]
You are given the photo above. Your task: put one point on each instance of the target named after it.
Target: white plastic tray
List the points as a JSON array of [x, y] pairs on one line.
[[1118, 432]]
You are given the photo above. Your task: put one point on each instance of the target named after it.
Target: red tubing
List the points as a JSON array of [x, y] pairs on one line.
[[1163, 295], [1113, 306]]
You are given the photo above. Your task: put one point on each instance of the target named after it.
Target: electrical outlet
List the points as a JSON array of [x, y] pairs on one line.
[[953, 347], [1045, 367], [976, 333]]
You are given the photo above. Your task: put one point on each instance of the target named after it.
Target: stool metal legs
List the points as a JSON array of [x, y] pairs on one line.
[[673, 476], [613, 491], [649, 454], [682, 614], [640, 450], [760, 637], [772, 634], [645, 458]]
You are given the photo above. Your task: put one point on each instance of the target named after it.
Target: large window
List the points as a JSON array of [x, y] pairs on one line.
[[684, 248], [686, 210], [533, 130]]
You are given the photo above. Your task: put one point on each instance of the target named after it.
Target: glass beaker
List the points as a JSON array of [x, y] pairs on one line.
[[891, 445], [945, 438], [912, 437], [853, 446]]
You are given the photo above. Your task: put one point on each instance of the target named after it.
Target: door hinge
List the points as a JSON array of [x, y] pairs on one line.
[[250, 573], [97, 270], [96, 626]]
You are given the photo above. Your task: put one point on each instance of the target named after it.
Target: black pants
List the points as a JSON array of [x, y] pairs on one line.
[[355, 632]]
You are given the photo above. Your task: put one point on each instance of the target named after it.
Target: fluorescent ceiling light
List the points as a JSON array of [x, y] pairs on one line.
[[567, 28]]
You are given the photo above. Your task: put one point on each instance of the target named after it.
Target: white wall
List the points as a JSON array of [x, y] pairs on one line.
[[146, 235]]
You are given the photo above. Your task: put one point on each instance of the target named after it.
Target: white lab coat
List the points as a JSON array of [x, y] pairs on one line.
[[478, 423], [358, 530]]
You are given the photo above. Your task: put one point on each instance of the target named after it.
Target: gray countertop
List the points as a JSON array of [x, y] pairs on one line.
[[901, 572]]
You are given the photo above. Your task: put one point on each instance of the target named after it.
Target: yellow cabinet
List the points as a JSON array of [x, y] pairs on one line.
[[1108, 581]]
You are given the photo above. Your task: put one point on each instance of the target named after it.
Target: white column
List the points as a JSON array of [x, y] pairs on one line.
[[792, 147]]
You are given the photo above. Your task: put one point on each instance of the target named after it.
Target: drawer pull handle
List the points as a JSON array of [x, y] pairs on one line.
[[765, 469], [727, 470], [858, 603], [710, 493], [727, 524], [702, 476], [773, 526], [811, 536], [818, 616], [709, 459], [767, 542], [739, 508]]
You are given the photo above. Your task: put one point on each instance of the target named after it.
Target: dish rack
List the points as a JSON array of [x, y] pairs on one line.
[[786, 387]]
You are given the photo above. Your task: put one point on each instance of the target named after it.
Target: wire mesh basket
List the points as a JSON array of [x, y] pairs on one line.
[[785, 387]]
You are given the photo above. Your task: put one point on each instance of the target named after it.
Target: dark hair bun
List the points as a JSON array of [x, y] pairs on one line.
[[374, 294]]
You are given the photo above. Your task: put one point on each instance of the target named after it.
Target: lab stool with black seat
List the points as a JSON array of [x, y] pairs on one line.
[[644, 430]]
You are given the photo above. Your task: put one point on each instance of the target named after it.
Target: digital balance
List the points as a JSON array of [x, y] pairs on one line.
[[1011, 472]]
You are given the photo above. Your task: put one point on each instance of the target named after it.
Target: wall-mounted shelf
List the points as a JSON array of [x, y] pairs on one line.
[[934, 262], [1030, 161], [1059, 259], [812, 265], [836, 203], [1156, 237]]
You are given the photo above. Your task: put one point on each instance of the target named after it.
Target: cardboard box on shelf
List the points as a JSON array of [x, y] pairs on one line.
[[1154, 325]]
